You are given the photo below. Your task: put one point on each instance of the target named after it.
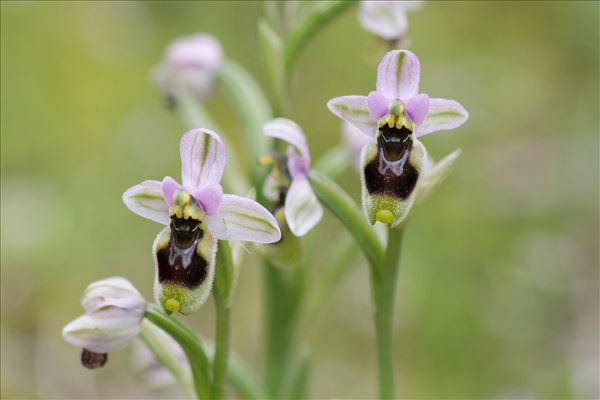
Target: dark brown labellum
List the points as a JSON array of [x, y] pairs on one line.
[[390, 171], [179, 261], [92, 360]]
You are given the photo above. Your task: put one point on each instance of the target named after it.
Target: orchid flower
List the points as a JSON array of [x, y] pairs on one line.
[[301, 207], [395, 116], [190, 63], [386, 19], [114, 310], [196, 213]]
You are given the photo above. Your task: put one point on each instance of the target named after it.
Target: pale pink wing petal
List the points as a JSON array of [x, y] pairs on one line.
[[203, 158], [169, 186], [398, 75], [147, 200], [355, 110], [443, 114], [378, 105], [209, 197], [240, 218], [302, 209], [417, 108], [290, 132]]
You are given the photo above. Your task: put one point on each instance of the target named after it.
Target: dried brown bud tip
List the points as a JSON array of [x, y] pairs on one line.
[[92, 360]]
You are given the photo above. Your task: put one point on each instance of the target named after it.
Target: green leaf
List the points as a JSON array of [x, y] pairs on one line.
[[271, 45], [343, 207], [305, 28], [252, 108]]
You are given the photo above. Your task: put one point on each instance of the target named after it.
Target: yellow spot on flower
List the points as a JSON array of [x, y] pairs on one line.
[[384, 216], [266, 159], [172, 305]]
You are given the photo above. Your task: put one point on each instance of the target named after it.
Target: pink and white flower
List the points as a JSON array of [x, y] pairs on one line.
[[302, 209]]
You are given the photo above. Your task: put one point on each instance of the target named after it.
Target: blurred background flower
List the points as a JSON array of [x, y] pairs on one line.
[[498, 292]]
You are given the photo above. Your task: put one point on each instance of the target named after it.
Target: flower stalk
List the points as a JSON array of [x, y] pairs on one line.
[[221, 293], [190, 344], [384, 312]]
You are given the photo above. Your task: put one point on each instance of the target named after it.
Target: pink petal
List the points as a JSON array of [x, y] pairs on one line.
[[378, 105], [203, 158], [209, 198], [199, 50], [290, 132], [169, 186], [417, 108], [297, 165], [398, 75]]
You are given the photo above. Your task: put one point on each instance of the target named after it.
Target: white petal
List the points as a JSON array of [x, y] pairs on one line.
[[443, 114], [240, 218], [271, 188], [290, 132], [384, 18], [302, 209], [203, 158], [115, 291], [147, 200], [102, 334], [398, 75], [355, 110]]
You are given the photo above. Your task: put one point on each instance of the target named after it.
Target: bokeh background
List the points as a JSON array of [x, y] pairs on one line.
[[498, 292]]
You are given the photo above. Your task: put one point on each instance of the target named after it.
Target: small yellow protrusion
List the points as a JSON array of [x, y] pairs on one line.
[[384, 216], [172, 305], [266, 159]]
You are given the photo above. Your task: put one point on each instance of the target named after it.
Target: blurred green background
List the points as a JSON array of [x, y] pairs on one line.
[[498, 292]]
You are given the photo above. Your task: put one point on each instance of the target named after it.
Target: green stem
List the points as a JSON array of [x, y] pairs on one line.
[[221, 351], [191, 346], [384, 311], [343, 207], [304, 30], [278, 327], [221, 294]]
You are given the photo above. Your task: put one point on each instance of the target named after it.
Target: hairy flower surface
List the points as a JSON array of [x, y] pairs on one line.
[[386, 19], [196, 213], [302, 209], [190, 63], [114, 310], [394, 116]]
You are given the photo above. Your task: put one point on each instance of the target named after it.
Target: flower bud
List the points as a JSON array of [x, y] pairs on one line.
[[190, 63], [114, 310]]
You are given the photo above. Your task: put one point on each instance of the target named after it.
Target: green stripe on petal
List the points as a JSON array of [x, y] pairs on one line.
[[146, 200], [240, 218], [443, 114]]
